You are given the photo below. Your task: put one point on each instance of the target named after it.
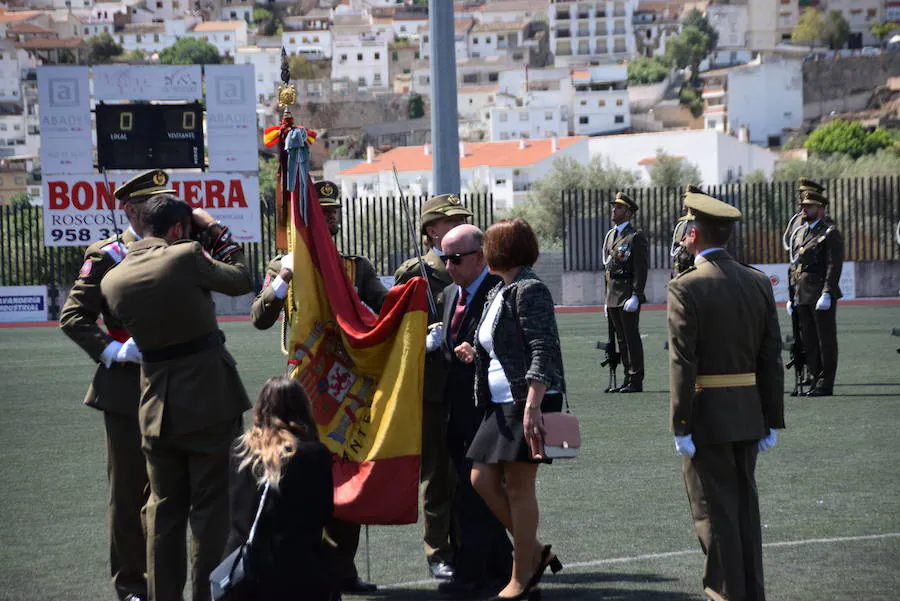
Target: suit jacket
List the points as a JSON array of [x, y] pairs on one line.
[[723, 320], [460, 387], [526, 339], [626, 272], [266, 307], [438, 280], [288, 552], [819, 260], [162, 294], [115, 389]]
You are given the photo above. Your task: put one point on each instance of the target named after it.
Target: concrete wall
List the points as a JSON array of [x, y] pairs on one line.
[[832, 79], [877, 278]]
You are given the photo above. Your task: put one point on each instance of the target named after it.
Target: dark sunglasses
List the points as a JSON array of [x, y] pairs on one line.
[[456, 258]]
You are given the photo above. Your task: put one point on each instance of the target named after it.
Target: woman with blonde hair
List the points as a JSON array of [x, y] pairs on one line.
[[282, 449]]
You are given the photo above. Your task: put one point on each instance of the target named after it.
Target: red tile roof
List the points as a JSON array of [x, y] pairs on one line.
[[491, 154]]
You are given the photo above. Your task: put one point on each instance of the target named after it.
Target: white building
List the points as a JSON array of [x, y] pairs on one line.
[[362, 59], [461, 29], [731, 22], [720, 157], [769, 22], [507, 169], [232, 10], [226, 36], [308, 35], [529, 122], [267, 66], [407, 25], [653, 27], [12, 130], [13, 61], [514, 10], [153, 37], [766, 115], [498, 38], [591, 31], [164, 10], [600, 100], [861, 15], [474, 101]]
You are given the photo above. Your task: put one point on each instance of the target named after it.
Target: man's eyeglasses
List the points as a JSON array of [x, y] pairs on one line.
[[456, 258]]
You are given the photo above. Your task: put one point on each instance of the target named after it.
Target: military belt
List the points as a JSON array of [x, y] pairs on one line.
[[725, 381], [184, 349]]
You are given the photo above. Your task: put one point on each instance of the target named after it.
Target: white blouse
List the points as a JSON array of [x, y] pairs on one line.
[[497, 382]]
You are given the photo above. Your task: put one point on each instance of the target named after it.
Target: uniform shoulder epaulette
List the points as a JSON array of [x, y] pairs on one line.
[[690, 269], [116, 250], [752, 267]]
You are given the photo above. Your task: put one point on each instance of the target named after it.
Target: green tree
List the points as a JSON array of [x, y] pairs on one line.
[[643, 70], [809, 28], [101, 49], [695, 18], [135, 56], [673, 172], [688, 49], [301, 68], [542, 206], [690, 98], [190, 51], [267, 169], [415, 108], [837, 30], [20, 199], [757, 176], [847, 137], [882, 30]]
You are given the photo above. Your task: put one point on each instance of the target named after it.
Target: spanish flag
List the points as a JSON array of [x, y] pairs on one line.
[[362, 372]]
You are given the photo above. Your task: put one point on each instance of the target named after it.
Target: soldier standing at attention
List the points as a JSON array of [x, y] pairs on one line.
[[726, 386], [625, 257], [682, 259], [440, 214], [341, 538], [192, 397], [817, 258], [115, 389]]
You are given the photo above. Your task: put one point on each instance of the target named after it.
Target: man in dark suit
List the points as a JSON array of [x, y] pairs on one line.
[[115, 389], [483, 551], [726, 385], [192, 397], [625, 256], [817, 258]]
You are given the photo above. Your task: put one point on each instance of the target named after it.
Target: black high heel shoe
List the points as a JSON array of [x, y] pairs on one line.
[[529, 594], [554, 564]]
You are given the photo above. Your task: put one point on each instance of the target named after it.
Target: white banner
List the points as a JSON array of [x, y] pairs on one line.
[[77, 207], [231, 118], [64, 105], [778, 276], [148, 82], [23, 303]]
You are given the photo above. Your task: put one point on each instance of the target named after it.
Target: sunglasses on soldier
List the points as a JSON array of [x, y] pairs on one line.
[[456, 258]]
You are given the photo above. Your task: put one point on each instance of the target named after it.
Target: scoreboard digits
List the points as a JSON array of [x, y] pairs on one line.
[[150, 136]]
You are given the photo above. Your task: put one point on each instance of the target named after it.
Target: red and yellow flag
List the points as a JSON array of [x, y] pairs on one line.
[[363, 374]]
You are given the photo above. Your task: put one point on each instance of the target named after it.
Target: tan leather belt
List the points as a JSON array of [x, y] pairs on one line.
[[725, 381]]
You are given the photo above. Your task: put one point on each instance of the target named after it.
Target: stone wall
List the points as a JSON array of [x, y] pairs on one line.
[[845, 83]]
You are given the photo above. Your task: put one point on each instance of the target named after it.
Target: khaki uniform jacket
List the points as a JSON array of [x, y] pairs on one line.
[[723, 320], [819, 260], [626, 272], [162, 294], [114, 389], [266, 307], [438, 280]]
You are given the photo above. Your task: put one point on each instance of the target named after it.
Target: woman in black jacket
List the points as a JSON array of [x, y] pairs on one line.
[[282, 449], [518, 374]]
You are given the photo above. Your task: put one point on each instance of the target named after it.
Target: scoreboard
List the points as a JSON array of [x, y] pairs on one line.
[[150, 136]]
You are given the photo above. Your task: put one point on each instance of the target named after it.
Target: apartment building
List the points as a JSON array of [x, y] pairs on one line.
[[591, 31], [361, 58], [600, 100], [309, 35]]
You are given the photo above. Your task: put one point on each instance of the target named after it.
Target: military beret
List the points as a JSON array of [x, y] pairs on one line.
[[141, 187], [809, 197], [810, 185], [438, 207], [702, 207], [329, 195], [623, 199]]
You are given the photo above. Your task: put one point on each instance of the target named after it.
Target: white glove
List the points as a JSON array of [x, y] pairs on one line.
[[684, 445], [435, 337], [824, 302], [129, 352], [605, 310], [110, 353], [790, 308], [632, 304], [767, 442], [287, 261]]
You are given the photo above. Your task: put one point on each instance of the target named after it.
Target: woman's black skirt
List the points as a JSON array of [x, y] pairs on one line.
[[501, 437]]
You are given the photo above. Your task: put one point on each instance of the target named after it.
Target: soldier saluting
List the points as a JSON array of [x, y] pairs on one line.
[[817, 257]]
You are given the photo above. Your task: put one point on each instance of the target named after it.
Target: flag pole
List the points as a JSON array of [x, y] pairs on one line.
[[411, 232]]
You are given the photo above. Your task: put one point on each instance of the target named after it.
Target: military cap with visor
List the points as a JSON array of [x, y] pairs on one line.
[[808, 185], [809, 197], [438, 207], [623, 199], [703, 207], [329, 195], [141, 187]]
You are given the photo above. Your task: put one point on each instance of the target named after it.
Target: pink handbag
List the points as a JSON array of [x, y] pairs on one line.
[[562, 435]]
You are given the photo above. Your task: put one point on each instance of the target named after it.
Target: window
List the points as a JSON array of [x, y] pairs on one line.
[[86, 31], [584, 103], [619, 119], [315, 39], [470, 78], [487, 39], [376, 79], [259, 77], [524, 116], [155, 37], [493, 76], [601, 103], [361, 81], [2, 126], [548, 116], [359, 56], [20, 180], [504, 135], [272, 60], [293, 40], [619, 102], [475, 41], [377, 56], [394, 56], [710, 124], [227, 38], [137, 38], [499, 182], [403, 29], [870, 13], [159, 5], [176, 4], [343, 58], [304, 40], [583, 120], [417, 55], [502, 117]]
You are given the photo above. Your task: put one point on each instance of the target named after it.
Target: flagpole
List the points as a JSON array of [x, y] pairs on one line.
[[432, 305]]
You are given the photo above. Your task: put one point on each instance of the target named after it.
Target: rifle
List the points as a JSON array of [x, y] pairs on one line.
[[794, 345], [612, 357]]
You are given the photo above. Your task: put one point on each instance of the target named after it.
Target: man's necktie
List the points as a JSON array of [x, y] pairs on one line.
[[458, 312]]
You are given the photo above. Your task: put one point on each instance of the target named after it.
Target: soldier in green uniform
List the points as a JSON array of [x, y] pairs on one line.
[[726, 385], [115, 389], [625, 258], [192, 397], [817, 258], [682, 259], [439, 215], [342, 538]]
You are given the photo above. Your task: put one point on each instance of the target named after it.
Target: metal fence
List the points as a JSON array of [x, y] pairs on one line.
[[371, 227], [865, 210]]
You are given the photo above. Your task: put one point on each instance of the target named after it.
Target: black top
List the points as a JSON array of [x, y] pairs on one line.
[[287, 552]]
